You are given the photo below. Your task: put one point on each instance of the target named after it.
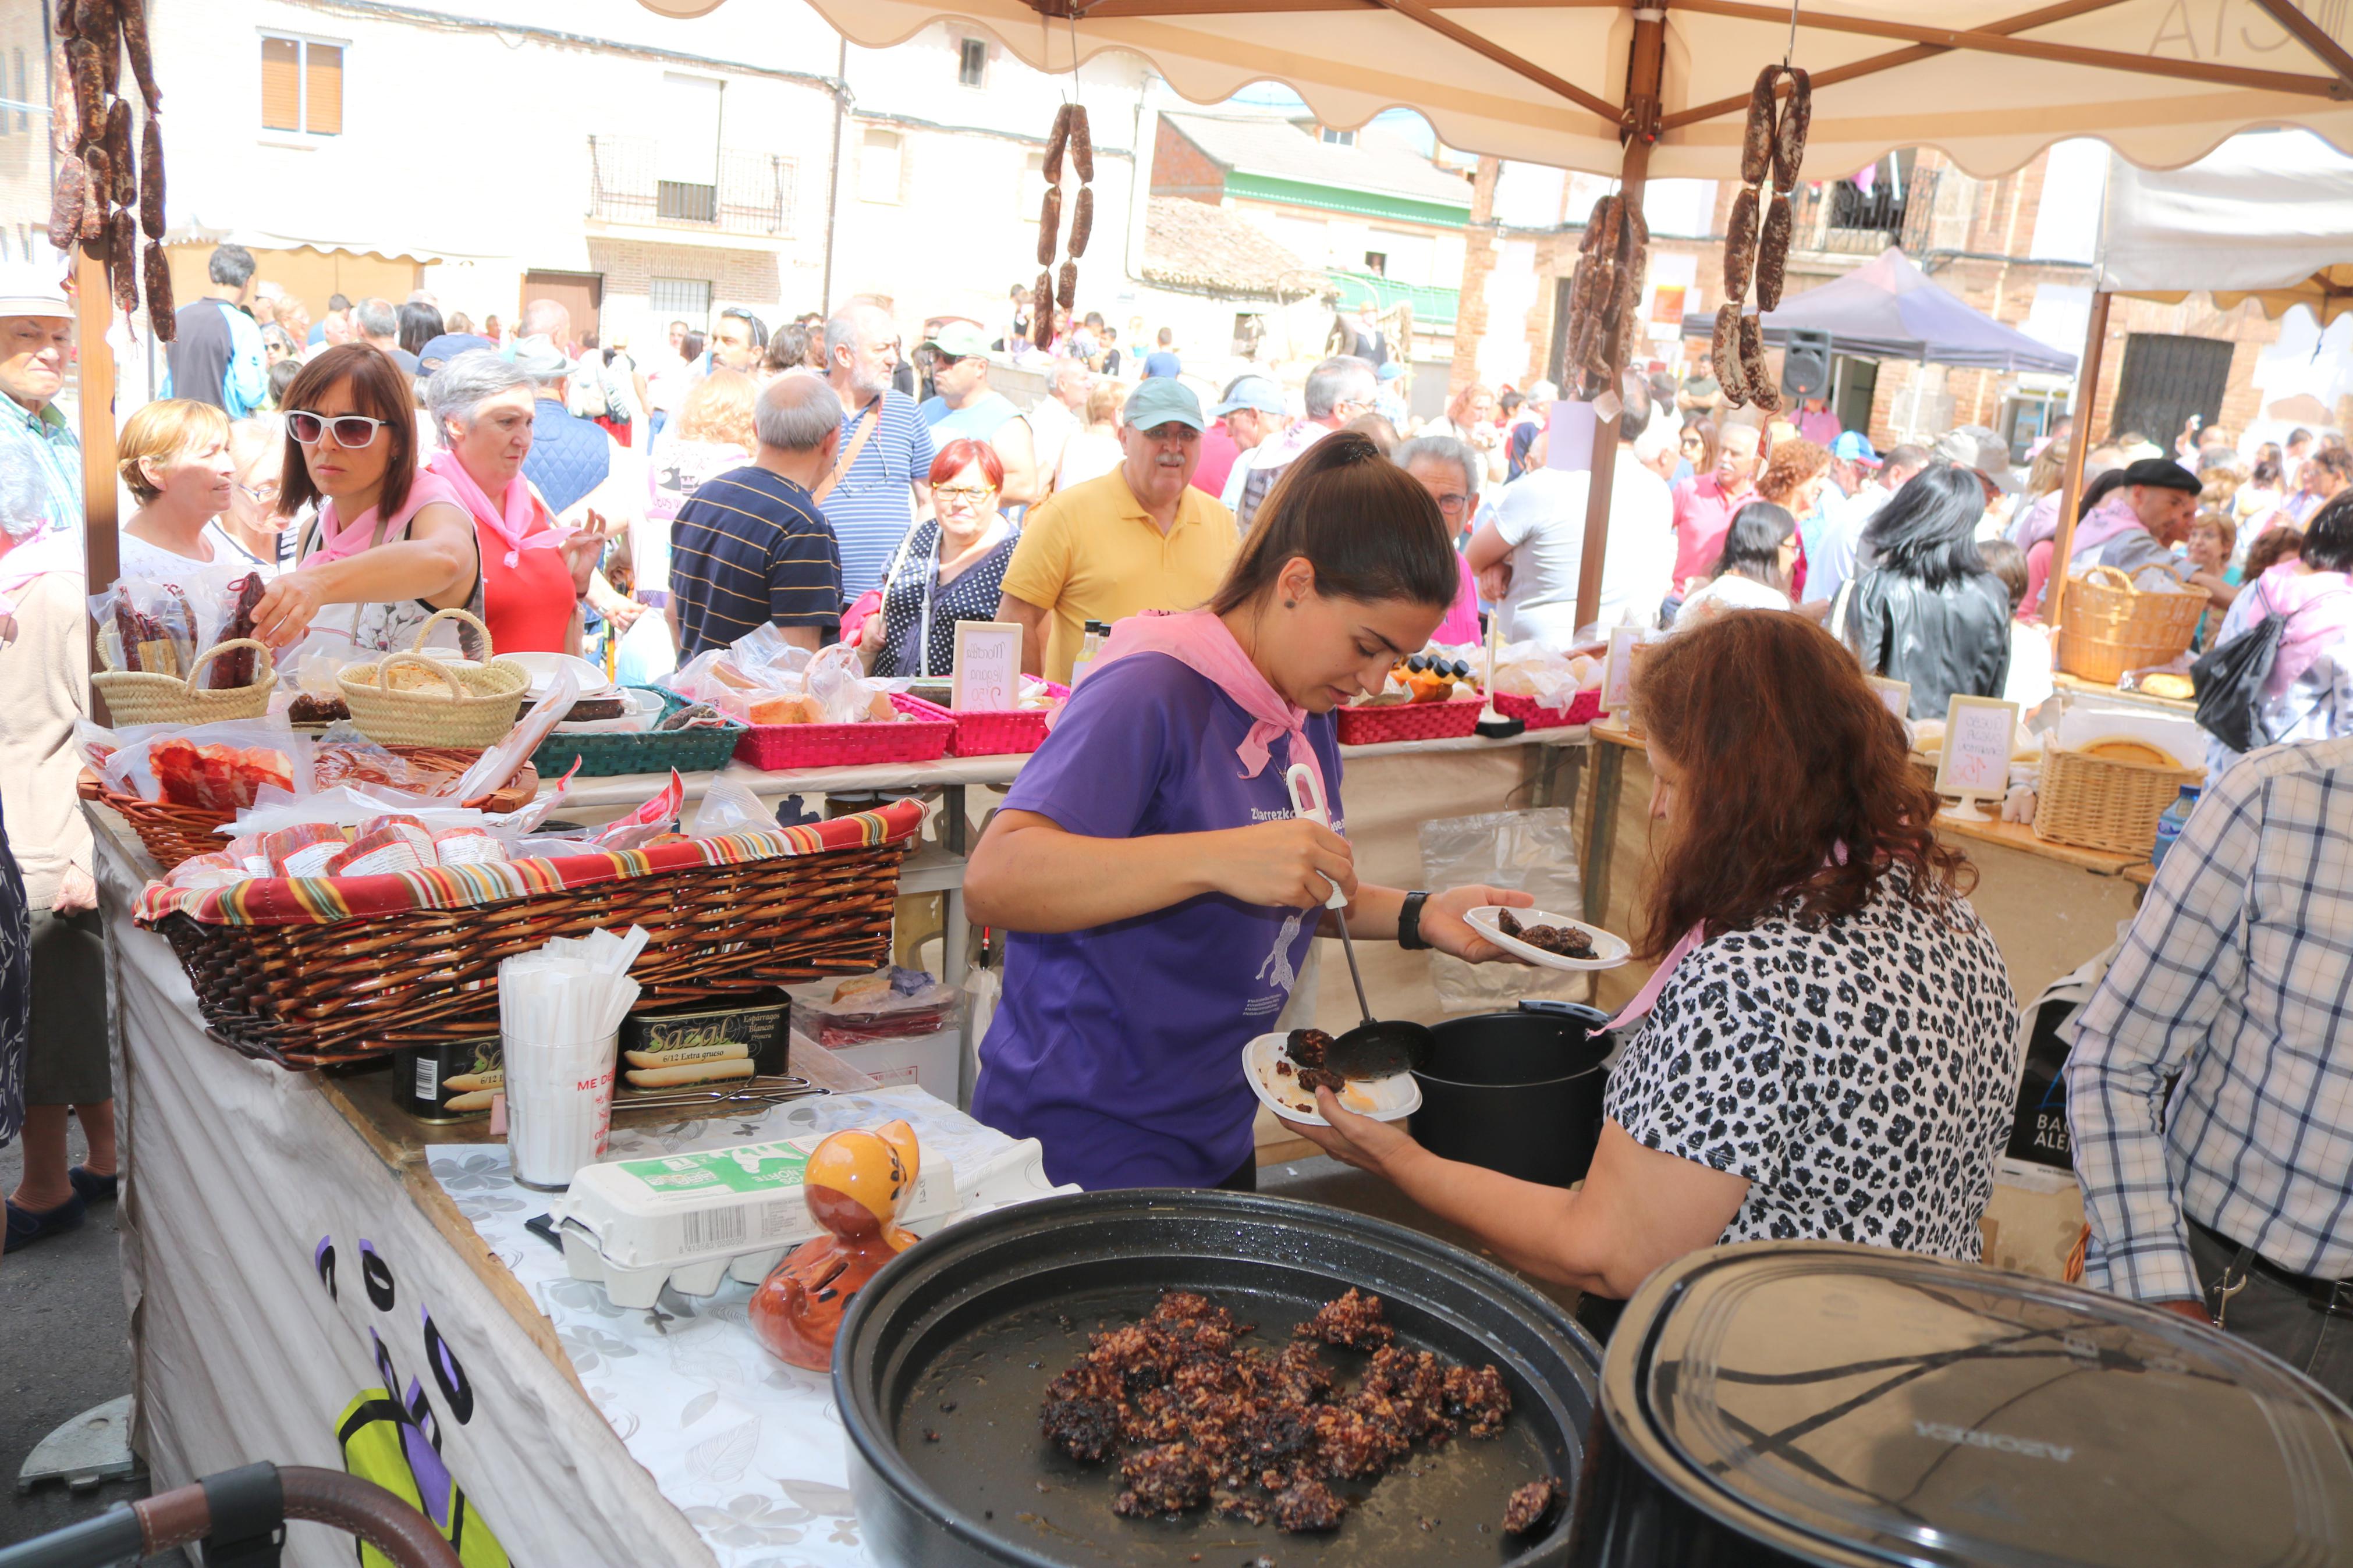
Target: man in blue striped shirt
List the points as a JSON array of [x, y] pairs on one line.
[[749, 547], [879, 481]]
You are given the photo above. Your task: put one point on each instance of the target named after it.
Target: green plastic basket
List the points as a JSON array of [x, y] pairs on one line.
[[650, 752]]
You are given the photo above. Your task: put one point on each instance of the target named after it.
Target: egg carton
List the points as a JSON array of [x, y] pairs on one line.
[[693, 1221]]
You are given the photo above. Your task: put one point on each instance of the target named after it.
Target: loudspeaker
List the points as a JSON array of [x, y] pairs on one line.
[[1805, 364]]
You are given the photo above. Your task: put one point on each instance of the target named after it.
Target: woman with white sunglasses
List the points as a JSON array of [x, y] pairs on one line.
[[390, 544]]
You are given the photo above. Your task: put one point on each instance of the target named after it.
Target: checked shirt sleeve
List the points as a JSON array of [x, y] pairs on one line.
[[2151, 1015]]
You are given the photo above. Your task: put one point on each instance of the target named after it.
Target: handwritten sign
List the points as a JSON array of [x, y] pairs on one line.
[[1977, 732], [1894, 695], [1618, 668], [987, 666]]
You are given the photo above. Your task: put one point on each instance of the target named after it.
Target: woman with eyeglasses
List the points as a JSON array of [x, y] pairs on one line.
[[252, 521], [1449, 469], [953, 568], [389, 543], [1698, 448], [173, 455]]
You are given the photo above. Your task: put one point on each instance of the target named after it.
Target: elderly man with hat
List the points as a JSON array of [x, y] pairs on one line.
[[58, 1068], [2154, 499], [1138, 538], [1252, 411], [963, 406]]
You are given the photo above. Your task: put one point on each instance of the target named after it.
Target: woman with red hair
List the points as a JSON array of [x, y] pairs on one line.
[[1827, 1048], [949, 569]]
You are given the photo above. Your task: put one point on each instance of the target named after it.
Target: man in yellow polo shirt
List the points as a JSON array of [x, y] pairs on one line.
[[1139, 537]]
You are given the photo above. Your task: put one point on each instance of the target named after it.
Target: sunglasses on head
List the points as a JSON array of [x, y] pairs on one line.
[[351, 431]]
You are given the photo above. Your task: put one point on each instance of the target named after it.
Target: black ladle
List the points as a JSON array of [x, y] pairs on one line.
[[1376, 1047]]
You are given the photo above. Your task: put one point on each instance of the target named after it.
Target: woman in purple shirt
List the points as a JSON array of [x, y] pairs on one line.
[[1158, 889]]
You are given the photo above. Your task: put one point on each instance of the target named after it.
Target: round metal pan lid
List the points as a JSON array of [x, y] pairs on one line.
[[1888, 1407]]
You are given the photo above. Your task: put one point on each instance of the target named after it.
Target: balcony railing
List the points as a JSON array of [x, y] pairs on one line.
[[1842, 217], [754, 194]]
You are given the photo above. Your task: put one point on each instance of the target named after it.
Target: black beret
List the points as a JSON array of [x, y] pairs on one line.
[[2162, 473]]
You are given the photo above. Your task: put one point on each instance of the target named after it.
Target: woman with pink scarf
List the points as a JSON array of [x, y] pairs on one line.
[[534, 568], [1158, 891], [2309, 694]]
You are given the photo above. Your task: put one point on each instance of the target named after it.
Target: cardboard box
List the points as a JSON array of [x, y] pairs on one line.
[[927, 1061]]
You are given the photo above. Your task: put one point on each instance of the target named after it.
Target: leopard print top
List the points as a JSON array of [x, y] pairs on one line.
[[1860, 1076]]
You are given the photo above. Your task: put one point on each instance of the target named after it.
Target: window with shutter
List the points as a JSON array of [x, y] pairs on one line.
[[282, 84], [322, 90]]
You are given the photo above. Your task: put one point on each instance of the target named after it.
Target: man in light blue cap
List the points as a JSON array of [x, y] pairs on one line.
[[1138, 538], [1389, 401], [1252, 410], [1867, 483]]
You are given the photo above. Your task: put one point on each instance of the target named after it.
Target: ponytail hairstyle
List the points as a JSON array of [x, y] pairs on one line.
[[1366, 526]]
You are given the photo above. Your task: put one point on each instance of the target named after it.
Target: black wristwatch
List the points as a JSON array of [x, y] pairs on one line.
[[1409, 935]]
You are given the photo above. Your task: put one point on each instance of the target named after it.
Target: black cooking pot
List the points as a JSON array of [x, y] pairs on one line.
[[1819, 1404], [1519, 1092], [943, 1362]]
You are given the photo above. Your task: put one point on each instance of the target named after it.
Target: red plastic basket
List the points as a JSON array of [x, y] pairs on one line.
[[777, 748], [980, 734], [1444, 721], [1583, 708]]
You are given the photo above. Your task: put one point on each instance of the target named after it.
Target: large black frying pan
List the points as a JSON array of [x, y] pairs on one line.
[[944, 1359]]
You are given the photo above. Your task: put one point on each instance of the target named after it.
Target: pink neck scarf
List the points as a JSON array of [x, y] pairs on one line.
[[1635, 1011], [1199, 640], [338, 540], [513, 519]]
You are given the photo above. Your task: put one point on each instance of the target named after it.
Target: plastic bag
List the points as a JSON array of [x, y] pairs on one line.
[[843, 690], [1543, 672], [646, 652], [1533, 851], [349, 805], [730, 806], [889, 1005], [218, 767]]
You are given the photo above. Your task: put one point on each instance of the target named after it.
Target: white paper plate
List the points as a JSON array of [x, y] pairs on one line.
[[1383, 1100], [1609, 951], [543, 666]]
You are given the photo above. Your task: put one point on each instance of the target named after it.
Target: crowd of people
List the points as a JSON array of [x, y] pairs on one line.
[[386, 462]]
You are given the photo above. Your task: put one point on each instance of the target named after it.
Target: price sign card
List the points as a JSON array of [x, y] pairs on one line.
[[1896, 695], [987, 666], [1618, 668], [1977, 732]]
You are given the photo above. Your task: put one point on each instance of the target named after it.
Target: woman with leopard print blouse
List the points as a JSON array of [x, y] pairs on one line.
[[1828, 1048]]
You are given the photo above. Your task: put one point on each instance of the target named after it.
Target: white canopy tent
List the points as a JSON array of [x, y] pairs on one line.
[[2264, 217]]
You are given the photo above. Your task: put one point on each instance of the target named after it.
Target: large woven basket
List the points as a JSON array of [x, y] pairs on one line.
[[141, 696], [2104, 802], [463, 705], [175, 832], [2112, 624], [1455, 717], [313, 995]]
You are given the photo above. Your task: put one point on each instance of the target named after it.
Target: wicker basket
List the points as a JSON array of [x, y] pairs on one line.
[[2112, 624], [1455, 717], [782, 748], [312, 996], [475, 705], [1583, 708], [2104, 802], [139, 697], [1013, 733], [609, 754], [175, 832]]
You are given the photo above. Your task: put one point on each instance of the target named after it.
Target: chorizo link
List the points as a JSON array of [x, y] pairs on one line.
[[65, 202], [1067, 296], [1610, 214], [122, 154], [1757, 136], [1763, 390], [150, 178], [89, 95], [1041, 311], [1583, 317], [68, 21], [1082, 146], [99, 27], [1740, 246], [123, 261], [1056, 140], [1723, 354], [1788, 136], [1082, 221], [1773, 253], [1050, 225], [133, 15], [160, 317], [100, 166]]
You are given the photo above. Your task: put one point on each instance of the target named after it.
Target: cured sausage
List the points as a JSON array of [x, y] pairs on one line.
[[150, 178], [123, 259], [1082, 221], [1723, 353], [1082, 146], [1041, 311], [1740, 246], [1067, 296], [1056, 140], [1762, 390], [1050, 225], [1773, 253], [120, 152], [1789, 136], [1583, 319], [1608, 213], [89, 95], [1756, 140], [65, 202], [99, 165], [68, 21], [99, 29], [133, 16], [158, 268]]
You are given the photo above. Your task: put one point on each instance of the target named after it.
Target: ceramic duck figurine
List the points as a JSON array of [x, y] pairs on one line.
[[857, 1185]]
